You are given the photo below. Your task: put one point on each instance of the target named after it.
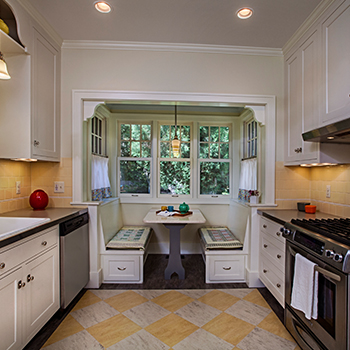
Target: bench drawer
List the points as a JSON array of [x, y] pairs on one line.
[[120, 268], [225, 268]]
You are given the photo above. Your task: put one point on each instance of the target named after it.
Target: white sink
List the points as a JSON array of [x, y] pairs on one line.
[[10, 226]]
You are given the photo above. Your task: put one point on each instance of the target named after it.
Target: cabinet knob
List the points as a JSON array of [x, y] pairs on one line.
[[265, 245], [278, 233], [2, 265], [278, 285], [36, 143], [278, 256], [121, 268], [264, 271], [264, 226], [226, 268], [44, 243]]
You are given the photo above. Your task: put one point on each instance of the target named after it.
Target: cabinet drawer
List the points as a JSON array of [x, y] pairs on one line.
[[271, 228], [226, 268], [22, 252], [121, 268], [274, 249], [272, 278]]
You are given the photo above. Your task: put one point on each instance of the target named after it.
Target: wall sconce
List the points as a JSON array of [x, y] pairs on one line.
[[175, 143], [4, 74]]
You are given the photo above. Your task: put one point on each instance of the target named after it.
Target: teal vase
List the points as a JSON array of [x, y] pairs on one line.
[[184, 208]]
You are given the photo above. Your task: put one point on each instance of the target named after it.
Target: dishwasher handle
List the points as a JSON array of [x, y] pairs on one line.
[[73, 224]]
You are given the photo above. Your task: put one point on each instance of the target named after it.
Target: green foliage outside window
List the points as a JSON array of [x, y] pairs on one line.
[[215, 178], [135, 140], [175, 177], [135, 176]]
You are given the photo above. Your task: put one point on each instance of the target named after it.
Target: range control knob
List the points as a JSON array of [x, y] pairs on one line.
[[338, 257], [329, 253]]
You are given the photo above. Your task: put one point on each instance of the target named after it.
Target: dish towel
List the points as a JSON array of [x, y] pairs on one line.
[[305, 287]]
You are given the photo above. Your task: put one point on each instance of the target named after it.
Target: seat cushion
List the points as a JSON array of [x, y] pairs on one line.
[[130, 237], [219, 238]]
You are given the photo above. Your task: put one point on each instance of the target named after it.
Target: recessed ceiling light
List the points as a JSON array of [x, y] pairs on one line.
[[244, 13], [102, 6]]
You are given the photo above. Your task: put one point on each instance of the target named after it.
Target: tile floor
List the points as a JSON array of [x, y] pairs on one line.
[[183, 319]]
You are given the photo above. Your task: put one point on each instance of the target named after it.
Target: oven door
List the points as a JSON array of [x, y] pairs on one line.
[[330, 328]]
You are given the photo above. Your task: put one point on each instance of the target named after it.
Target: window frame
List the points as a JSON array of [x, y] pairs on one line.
[[172, 159], [215, 160], [120, 158], [255, 138]]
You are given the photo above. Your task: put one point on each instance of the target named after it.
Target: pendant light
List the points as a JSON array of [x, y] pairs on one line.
[[4, 74], [175, 143]]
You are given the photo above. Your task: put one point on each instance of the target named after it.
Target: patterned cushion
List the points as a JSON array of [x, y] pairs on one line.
[[130, 237], [219, 238]]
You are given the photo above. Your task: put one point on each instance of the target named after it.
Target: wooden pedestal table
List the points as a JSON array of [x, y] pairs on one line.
[[174, 224]]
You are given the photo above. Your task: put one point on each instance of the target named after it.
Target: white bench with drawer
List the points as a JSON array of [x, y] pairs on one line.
[[224, 256]]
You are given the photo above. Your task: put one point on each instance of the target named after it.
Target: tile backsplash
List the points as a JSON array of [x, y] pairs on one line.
[[298, 184], [40, 175]]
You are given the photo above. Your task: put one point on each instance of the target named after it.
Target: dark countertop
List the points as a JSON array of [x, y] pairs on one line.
[[281, 216], [55, 216]]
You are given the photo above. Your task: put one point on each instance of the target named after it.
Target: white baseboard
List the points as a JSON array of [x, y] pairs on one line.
[[95, 279], [252, 278]]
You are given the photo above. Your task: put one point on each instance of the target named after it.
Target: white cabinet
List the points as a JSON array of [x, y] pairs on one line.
[[30, 100], [272, 258], [29, 287], [302, 112], [335, 65]]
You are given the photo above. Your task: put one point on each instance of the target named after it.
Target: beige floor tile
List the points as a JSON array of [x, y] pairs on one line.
[[256, 298], [219, 300], [126, 300], [69, 326], [172, 300], [113, 330], [171, 329], [229, 328], [272, 324], [87, 299]]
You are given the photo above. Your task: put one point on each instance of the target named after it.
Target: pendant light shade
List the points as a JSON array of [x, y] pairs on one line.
[[4, 74], [175, 143]]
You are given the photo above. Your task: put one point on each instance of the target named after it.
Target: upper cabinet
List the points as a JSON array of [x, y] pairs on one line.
[[317, 84], [335, 65], [30, 100]]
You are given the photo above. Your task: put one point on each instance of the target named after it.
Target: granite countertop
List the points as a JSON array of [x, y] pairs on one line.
[[54, 217], [282, 216]]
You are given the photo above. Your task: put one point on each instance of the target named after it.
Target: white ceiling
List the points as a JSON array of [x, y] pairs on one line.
[[179, 21]]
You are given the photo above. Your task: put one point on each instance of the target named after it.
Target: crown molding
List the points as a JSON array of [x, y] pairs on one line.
[[315, 15], [42, 22], [147, 46]]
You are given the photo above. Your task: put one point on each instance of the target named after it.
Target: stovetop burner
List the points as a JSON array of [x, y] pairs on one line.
[[337, 229]]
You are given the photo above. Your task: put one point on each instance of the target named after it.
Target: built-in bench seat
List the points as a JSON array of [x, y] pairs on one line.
[[125, 254], [223, 254]]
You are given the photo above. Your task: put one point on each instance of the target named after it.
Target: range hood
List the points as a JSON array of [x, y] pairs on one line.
[[338, 132]]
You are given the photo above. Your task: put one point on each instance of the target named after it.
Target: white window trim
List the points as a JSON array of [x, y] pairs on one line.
[[84, 103]]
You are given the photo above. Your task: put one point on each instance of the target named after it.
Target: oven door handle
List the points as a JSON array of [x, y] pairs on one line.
[[324, 272]]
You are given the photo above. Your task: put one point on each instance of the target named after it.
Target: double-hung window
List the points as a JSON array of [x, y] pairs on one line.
[[214, 160], [135, 158], [174, 173]]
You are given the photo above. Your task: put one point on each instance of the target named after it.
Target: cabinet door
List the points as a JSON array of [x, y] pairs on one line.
[[11, 311], [335, 65], [42, 291], [45, 97], [302, 103]]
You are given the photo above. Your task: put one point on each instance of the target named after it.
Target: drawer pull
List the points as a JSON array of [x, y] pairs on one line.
[[278, 285], [278, 233], [21, 284], [278, 256], [264, 226], [226, 268], [265, 245], [264, 271], [30, 278], [2, 265], [122, 268], [44, 243]]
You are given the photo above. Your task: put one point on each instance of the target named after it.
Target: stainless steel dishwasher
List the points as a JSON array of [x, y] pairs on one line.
[[74, 245]]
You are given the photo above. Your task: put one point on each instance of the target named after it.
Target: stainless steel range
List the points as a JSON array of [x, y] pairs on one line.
[[326, 243]]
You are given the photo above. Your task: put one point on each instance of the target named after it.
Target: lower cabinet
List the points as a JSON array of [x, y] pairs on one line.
[[29, 289], [272, 258]]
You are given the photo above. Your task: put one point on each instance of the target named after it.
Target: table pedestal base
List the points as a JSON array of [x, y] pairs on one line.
[[174, 262]]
